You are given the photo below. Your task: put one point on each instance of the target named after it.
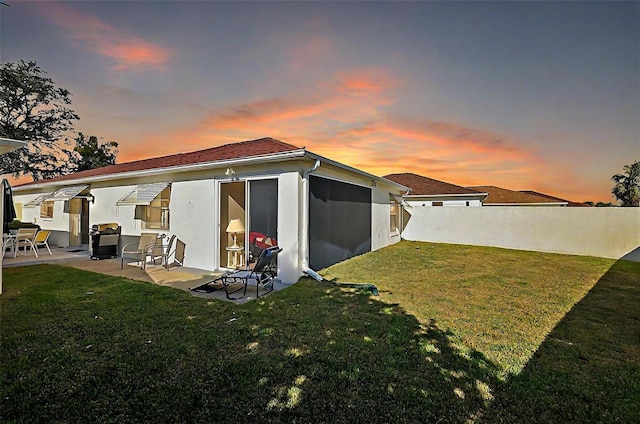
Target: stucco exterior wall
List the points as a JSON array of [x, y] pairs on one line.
[[290, 212], [381, 235], [602, 232], [193, 220]]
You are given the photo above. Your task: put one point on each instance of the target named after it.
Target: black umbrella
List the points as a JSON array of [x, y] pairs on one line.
[[9, 213]]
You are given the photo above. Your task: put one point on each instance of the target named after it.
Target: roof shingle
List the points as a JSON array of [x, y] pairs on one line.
[[428, 186], [244, 149], [499, 195]]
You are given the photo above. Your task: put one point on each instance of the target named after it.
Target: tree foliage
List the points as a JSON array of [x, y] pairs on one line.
[[627, 187], [33, 109], [89, 153]]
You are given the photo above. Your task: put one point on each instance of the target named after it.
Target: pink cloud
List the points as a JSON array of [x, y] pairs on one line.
[[90, 33], [357, 130]]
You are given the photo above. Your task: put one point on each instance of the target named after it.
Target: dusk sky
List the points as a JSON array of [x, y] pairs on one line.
[[523, 95]]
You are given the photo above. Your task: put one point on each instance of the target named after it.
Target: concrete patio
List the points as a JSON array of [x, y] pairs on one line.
[[182, 278]]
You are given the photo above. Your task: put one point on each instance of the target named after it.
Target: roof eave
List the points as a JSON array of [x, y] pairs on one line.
[[8, 145], [481, 195], [272, 157], [357, 171]]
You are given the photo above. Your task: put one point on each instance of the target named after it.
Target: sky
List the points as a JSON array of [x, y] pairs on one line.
[[522, 95]]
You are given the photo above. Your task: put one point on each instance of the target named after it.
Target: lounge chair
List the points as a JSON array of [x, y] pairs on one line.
[[42, 240], [139, 249], [25, 237], [263, 273]]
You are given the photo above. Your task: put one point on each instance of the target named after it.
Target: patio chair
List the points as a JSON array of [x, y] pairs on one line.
[[178, 254], [25, 237], [263, 273], [42, 240], [8, 240], [157, 250], [138, 249]]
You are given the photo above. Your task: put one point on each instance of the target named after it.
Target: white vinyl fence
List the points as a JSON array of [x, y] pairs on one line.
[[602, 232]]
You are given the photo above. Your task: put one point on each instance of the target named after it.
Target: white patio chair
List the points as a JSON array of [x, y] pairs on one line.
[[138, 249], [25, 237]]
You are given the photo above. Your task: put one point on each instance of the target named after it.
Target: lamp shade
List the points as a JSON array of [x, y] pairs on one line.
[[235, 226]]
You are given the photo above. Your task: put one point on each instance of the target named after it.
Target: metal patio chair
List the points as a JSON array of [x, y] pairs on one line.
[[42, 240], [263, 273], [139, 249]]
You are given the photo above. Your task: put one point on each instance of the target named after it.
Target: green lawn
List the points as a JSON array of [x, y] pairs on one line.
[[458, 334]]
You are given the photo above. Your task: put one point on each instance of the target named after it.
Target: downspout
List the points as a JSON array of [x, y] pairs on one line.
[[305, 216]]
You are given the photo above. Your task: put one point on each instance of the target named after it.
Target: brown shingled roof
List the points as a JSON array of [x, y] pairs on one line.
[[259, 147], [557, 199], [428, 186], [503, 196]]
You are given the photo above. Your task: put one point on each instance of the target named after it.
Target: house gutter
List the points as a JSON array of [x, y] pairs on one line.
[[305, 218], [435, 196]]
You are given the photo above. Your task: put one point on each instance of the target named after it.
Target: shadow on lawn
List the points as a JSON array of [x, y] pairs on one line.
[[361, 360], [103, 349], [588, 367]]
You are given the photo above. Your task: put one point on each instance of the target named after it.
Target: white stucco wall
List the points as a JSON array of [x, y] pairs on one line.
[[381, 235], [193, 220], [602, 232], [289, 225]]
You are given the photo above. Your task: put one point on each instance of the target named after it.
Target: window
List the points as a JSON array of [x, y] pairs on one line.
[[437, 204], [151, 203], [46, 209], [395, 214], [155, 216]]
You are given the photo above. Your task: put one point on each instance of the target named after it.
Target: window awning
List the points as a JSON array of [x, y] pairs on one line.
[[37, 201], [401, 201], [143, 194], [67, 193]]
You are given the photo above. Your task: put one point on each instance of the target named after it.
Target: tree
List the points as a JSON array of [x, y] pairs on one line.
[[89, 153], [33, 109], [627, 187]]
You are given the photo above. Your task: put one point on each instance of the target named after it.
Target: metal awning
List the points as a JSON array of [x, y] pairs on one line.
[[143, 194], [401, 201], [37, 201], [67, 193]]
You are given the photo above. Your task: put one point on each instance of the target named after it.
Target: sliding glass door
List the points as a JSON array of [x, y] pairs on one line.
[[248, 220]]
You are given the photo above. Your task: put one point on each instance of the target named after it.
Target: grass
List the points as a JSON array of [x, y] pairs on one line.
[[458, 334]]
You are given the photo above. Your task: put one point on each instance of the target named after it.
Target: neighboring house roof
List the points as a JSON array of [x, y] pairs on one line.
[[424, 186], [557, 199], [241, 153], [503, 196]]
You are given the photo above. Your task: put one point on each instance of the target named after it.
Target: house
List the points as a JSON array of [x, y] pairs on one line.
[[426, 191], [220, 200], [498, 196]]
